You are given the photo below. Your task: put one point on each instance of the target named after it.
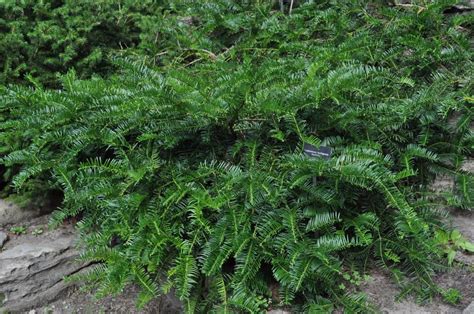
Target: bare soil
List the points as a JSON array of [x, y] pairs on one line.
[[77, 301]]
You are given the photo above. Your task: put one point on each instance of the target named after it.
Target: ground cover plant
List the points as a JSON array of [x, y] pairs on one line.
[[187, 170]]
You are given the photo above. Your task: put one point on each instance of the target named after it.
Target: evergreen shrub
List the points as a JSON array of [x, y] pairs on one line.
[[191, 176], [43, 38]]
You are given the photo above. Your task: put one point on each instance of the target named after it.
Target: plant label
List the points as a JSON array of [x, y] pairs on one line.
[[318, 152]]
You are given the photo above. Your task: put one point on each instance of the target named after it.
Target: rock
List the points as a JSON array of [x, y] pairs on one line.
[[468, 165], [443, 183], [3, 238], [465, 5], [32, 271], [10, 213], [469, 309], [278, 311]]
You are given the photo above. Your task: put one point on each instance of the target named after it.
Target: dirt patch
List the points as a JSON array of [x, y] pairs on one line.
[[462, 279], [464, 222], [85, 302], [383, 292]]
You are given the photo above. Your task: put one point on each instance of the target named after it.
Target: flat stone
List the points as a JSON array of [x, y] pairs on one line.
[[3, 238], [10, 213], [32, 271], [469, 309], [465, 5]]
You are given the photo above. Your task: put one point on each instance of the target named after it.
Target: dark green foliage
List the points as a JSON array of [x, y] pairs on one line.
[[43, 38], [191, 176]]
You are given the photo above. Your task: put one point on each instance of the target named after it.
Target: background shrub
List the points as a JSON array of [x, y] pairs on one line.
[[44, 38]]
